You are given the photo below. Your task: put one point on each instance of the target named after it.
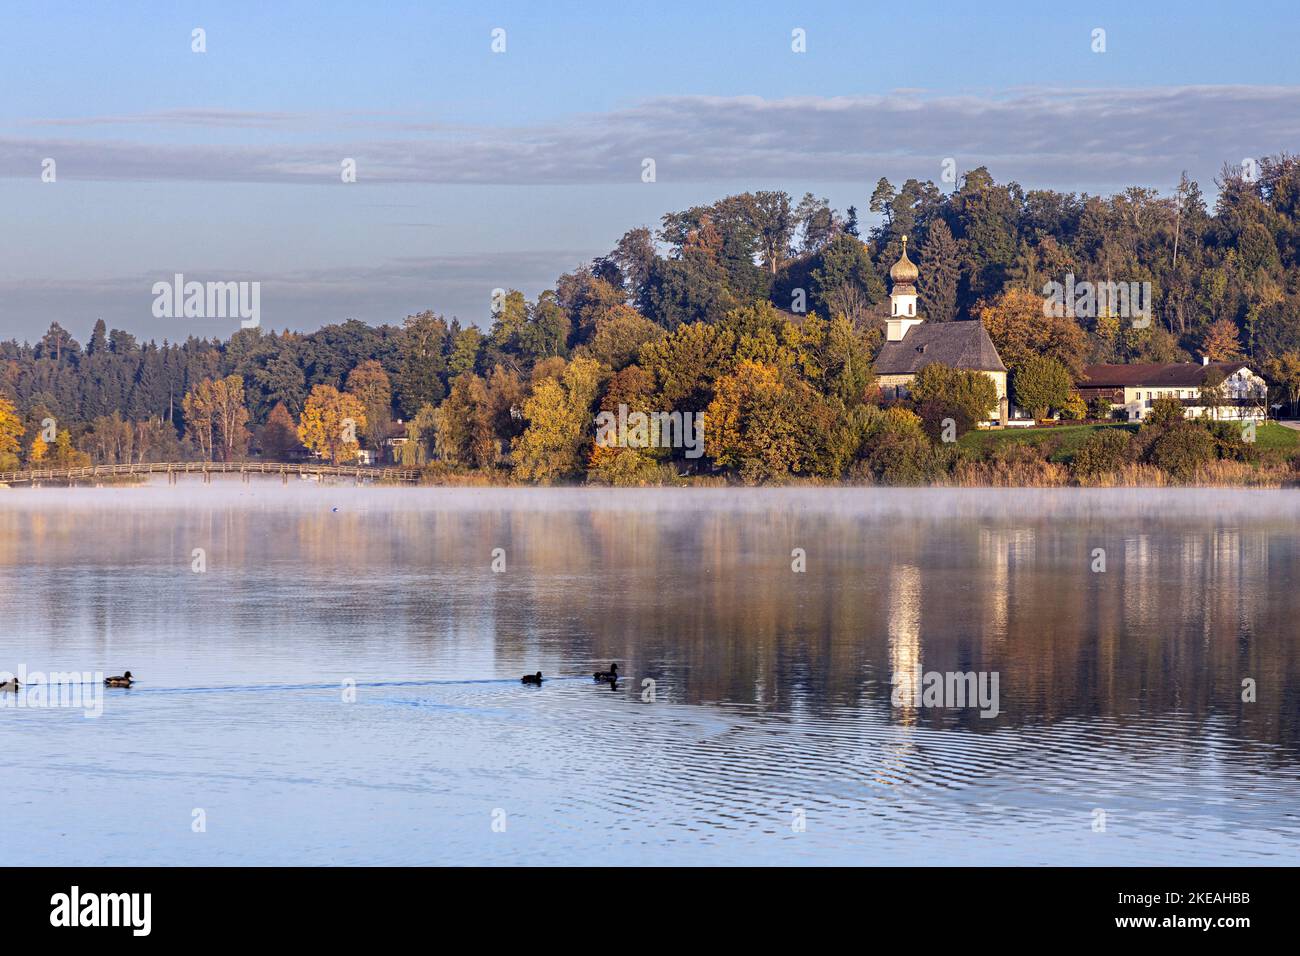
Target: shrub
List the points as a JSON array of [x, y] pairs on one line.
[[935, 412], [623, 467], [1181, 449], [1101, 407], [1102, 452], [1164, 411], [1074, 409], [967, 397], [1230, 441], [899, 453]]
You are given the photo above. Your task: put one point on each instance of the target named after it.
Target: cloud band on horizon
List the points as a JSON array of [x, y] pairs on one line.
[[1037, 135]]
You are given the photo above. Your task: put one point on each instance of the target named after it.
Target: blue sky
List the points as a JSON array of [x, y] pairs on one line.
[[478, 170]]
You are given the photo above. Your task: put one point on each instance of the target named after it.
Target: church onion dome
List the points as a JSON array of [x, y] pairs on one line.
[[903, 272]]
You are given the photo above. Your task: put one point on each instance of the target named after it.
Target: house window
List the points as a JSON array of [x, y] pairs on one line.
[[911, 308]]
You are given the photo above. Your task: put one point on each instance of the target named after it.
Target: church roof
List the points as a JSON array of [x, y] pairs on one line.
[[964, 345]]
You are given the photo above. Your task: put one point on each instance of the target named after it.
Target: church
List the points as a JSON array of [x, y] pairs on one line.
[[910, 344]]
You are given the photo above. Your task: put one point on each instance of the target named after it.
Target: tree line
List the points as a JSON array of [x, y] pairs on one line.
[[757, 311]]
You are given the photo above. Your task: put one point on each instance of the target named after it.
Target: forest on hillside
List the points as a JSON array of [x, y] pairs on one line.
[[761, 312]]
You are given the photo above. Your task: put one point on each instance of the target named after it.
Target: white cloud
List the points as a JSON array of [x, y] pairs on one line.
[[1067, 139]]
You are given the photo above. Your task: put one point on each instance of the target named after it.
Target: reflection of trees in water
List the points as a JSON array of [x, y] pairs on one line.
[[706, 600], [1171, 626]]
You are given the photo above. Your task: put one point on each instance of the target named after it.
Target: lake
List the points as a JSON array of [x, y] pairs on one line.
[[330, 675]]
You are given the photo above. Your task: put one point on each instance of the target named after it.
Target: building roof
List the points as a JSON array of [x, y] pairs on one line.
[[963, 345], [1176, 375]]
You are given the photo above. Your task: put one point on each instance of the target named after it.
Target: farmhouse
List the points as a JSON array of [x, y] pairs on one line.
[[1241, 394], [910, 345]]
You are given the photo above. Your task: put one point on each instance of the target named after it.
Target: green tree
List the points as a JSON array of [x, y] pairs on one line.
[[465, 433], [424, 344], [940, 269], [1041, 384], [965, 396]]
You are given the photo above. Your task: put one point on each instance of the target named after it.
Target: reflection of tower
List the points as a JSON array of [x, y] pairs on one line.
[[1000, 548], [995, 554], [905, 635], [1254, 566], [1139, 573]]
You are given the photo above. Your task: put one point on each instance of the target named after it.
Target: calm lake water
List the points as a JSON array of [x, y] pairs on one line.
[[1119, 691]]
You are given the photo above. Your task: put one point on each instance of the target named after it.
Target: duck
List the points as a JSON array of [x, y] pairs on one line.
[[611, 674], [124, 681], [10, 686], [532, 679]]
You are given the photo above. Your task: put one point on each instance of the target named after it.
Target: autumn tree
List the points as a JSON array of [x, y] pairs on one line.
[[37, 450], [505, 397], [686, 362], [561, 426], [65, 454], [278, 438], [11, 432], [1020, 330], [369, 383], [750, 423], [634, 389], [1284, 372], [200, 416], [619, 335], [330, 422], [464, 424], [1221, 342], [421, 438], [230, 416]]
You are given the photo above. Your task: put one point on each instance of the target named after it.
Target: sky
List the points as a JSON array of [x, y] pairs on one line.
[[478, 170]]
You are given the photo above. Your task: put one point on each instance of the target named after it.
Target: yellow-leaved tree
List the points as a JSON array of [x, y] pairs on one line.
[[330, 422], [1221, 342], [36, 450], [753, 423], [11, 431], [561, 426]]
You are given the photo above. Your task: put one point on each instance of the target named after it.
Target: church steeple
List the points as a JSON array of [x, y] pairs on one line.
[[902, 297], [904, 272]]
